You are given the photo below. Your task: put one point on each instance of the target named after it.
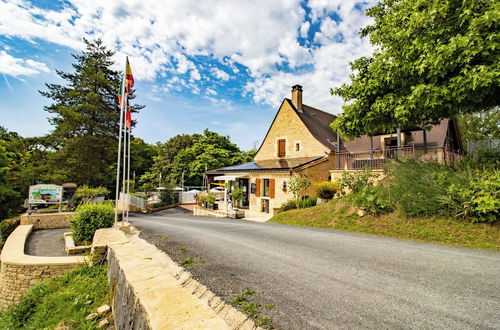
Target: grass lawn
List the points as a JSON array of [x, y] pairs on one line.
[[341, 215], [64, 301]]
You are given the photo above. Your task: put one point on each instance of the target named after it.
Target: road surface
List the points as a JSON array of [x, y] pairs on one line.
[[325, 279]]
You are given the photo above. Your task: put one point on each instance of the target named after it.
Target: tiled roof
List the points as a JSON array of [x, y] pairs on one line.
[[318, 123]]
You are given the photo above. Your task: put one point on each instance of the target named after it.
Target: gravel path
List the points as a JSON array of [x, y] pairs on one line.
[[325, 279], [47, 242]]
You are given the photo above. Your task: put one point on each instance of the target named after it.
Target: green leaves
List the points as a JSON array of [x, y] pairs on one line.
[[433, 60]]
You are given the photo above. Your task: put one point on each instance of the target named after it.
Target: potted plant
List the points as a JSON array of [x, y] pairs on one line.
[[237, 195], [210, 200]]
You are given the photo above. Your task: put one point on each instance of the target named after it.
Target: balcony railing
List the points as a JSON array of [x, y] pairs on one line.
[[375, 159]]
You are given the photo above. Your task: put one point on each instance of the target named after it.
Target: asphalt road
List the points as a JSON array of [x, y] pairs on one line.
[[325, 279]]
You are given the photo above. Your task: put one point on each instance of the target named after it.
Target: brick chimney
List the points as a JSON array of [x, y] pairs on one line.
[[297, 97]]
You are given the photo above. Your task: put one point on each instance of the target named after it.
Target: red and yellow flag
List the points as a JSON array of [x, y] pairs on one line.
[[129, 78], [128, 118]]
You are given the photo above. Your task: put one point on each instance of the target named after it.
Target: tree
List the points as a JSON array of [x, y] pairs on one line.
[[9, 199], [86, 118], [167, 152], [480, 126], [298, 184], [208, 151], [433, 60]]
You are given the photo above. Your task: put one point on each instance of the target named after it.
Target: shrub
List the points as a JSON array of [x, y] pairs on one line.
[[237, 194], [89, 217], [375, 200], [326, 190], [298, 184], [355, 181], [90, 193], [298, 204], [478, 198], [488, 157], [167, 197], [7, 226], [208, 198]]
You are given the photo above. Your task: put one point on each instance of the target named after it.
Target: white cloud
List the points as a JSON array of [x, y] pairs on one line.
[[164, 40], [20, 67], [220, 74]]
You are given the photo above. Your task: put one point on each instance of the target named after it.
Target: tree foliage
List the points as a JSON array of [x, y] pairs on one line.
[[86, 117], [192, 155], [484, 125], [433, 60]]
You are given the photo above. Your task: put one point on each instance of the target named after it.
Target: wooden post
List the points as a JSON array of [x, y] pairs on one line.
[[425, 141], [398, 139]]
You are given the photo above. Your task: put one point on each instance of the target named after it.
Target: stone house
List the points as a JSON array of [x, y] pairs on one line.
[[301, 142], [298, 142]]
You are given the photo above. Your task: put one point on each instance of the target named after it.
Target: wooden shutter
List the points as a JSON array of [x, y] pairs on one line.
[[281, 148], [271, 188], [257, 187]]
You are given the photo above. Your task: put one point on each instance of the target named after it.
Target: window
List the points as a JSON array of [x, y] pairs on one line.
[[297, 146], [266, 188], [281, 148]]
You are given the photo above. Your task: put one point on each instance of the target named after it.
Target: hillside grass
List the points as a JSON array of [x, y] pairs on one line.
[[340, 214], [62, 302]]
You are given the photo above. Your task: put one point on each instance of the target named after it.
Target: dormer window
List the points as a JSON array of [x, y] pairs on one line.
[[297, 146], [281, 148]]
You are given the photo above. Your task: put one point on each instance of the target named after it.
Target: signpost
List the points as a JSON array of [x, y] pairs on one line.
[[45, 194]]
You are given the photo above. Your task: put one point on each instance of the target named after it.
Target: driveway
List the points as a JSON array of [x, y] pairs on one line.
[[325, 279]]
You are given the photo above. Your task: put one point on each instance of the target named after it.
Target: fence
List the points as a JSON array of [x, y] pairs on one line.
[[473, 147], [375, 159], [134, 200]]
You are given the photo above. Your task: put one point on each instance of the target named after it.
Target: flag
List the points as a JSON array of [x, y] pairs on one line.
[[120, 94], [129, 78], [128, 118]]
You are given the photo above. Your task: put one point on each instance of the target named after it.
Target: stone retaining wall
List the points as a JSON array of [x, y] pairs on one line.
[[150, 291], [20, 271], [47, 220]]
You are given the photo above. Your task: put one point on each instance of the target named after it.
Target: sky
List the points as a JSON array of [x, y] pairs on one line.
[[224, 65]]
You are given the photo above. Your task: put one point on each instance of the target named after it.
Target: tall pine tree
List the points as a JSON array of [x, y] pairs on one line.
[[86, 118]]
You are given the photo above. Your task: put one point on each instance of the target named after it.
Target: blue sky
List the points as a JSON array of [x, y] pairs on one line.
[[223, 65]]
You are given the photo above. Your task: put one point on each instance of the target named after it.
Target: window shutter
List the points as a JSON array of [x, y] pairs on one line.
[[271, 187], [257, 187], [281, 148]]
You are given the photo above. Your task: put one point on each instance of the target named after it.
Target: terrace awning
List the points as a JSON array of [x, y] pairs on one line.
[[229, 177]]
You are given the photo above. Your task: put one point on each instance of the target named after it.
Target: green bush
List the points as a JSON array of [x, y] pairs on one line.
[[355, 181], [326, 190], [88, 192], [488, 157], [237, 194], [298, 204], [373, 199], [89, 217], [208, 198], [7, 226], [416, 187], [477, 199], [169, 197]]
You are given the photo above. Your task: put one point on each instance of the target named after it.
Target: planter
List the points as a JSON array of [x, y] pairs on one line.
[[213, 207], [236, 214]]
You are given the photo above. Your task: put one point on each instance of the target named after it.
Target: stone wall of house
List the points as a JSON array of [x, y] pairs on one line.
[[19, 271], [280, 196], [290, 127], [47, 220]]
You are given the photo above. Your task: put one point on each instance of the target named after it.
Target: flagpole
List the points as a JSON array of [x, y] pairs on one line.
[[124, 162], [128, 167], [119, 152]]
